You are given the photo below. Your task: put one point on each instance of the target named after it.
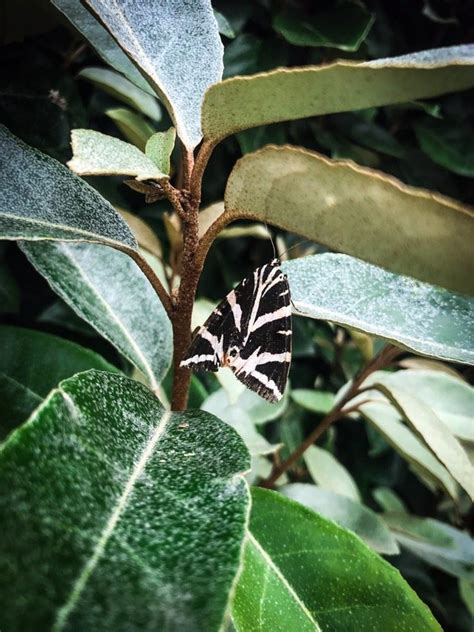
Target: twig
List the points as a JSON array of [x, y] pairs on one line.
[[154, 280]]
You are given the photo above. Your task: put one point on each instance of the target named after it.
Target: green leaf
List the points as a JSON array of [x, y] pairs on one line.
[[242, 102], [387, 421], [18, 402], [133, 126], [449, 144], [42, 199], [39, 361], [110, 292], [317, 401], [466, 590], [118, 514], [123, 90], [9, 292], [451, 399], [176, 45], [347, 513], [345, 27], [101, 41], [435, 434], [159, 148], [388, 500], [96, 154], [224, 25], [340, 581], [411, 314], [329, 474], [436, 543], [309, 194]]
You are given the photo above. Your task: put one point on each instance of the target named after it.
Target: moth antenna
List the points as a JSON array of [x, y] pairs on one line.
[[271, 239], [303, 241]]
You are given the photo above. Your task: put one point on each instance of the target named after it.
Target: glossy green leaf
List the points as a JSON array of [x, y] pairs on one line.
[[435, 542], [17, 404], [340, 581], [42, 199], [101, 41], [110, 292], [133, 126], [97, 154], [177, 46], [329, 474], [319, 402], [387, 421], [449, 144], [243, 102], [159, 148], [347, 513], [344, 26], [308, 194], [434, 433], [118, 514], [450, 398], [414, 315], [40, 361], [123, 90]]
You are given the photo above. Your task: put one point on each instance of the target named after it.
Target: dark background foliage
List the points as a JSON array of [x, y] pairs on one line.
[[428, 144]]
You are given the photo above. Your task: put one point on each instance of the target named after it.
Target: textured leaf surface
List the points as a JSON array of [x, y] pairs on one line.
[[243, 102], [40, 361], [114, 84], [110, 292], [347, 513], [435, 434], [159, 148], [411, 314], [329, 474], [311, 195], [118, 514], [133, 126], [177, 45], [42, 199], [96, 154], [101, 41], [343, 584], [18, 402], [388, 422]]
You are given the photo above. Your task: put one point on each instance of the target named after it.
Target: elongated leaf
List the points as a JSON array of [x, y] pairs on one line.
[[411, 314], [388, 422], [18, 402], [243, 102], [177, 45], [385, 222], [101, 41], [108, 290], [39, 361], [448, 144], [133, 126], [159, 148], [435, 434], [347, 513], [96, 154], [329, 474], [388, 500], [117, 514], [435, 542], [42, 199], [340, 581], [317, 401], [114, 84]]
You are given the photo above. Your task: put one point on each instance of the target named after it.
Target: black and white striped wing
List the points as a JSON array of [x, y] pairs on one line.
[[250, 332]]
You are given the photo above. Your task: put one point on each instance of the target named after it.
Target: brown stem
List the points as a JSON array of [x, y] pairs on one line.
[[195, 184], [154, 280], [384, 358]]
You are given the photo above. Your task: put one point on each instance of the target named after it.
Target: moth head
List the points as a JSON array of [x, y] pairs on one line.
[[231, 354]]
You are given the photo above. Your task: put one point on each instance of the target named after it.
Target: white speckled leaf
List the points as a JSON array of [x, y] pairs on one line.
[[176, 44], [109, 291], [434, 433], [358, 211], [387, 421], [347, 513], [339, 583], [159, 148], [96, 154], [328, 473], [42, 199], [132, 125], [101, 41], [118, 514], [411, 314], [292, 93], [113, 83]]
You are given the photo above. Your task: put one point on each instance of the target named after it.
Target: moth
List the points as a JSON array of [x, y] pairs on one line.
[[249, 332]]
